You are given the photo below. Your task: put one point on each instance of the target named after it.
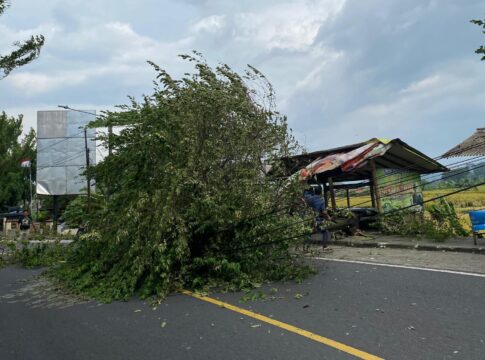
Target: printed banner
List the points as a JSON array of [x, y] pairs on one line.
[[398, 189]]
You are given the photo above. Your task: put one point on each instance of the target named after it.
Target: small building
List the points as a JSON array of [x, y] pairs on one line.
[[391, 169]]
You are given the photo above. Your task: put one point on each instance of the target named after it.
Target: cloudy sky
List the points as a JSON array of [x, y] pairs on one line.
[[344, 71]]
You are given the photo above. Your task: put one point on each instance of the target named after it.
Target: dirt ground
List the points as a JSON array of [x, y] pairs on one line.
[[429, 259]]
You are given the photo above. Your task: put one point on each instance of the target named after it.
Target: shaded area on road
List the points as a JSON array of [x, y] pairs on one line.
[[378, 240], [180, 328], [392, 313], [431, 259], [389, 312]]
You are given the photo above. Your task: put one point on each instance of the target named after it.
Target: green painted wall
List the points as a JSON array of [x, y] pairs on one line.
[[398, 189]]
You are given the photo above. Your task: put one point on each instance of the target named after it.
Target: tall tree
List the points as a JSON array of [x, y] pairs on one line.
[[481, 49], [26, 51], [189, 203], [14, 180]]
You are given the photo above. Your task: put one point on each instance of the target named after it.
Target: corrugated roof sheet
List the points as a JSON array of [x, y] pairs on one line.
[[399, 156], [473, 146]]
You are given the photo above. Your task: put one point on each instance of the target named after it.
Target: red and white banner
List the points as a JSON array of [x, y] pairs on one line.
[[25, 163]]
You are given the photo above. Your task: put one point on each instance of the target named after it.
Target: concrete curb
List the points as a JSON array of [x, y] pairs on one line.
[[409, 246]]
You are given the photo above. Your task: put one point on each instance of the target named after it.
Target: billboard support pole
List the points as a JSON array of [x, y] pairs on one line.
[[87, 169], [55, 214], [30, 186]]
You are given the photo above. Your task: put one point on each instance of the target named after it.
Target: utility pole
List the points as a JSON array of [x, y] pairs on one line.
[[88, 180], [30, 186]]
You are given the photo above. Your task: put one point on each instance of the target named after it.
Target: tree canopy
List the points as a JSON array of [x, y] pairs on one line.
[[14, 180], [187, 200], [26, 51], [481, 49]]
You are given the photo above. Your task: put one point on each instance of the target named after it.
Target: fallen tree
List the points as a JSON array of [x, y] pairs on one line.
[[187, 202]]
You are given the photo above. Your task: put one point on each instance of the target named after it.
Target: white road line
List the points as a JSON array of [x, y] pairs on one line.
[[402, 267]]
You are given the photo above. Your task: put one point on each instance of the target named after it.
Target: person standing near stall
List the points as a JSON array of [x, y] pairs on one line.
[[313, 198], [25, 222]]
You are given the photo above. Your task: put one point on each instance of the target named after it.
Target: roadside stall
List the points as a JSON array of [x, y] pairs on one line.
[[389, 170]]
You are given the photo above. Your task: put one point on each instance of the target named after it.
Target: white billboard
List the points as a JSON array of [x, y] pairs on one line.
[[61, 153]]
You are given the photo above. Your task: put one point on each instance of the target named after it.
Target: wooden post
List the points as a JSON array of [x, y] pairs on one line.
[[372, 194], [325, 193], [376, 186], [332, 193], [348, 198]]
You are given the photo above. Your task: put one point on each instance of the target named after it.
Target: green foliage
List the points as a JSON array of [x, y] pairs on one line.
[[444, 214], [26, 51], [40, 255], [253, 296], [6, 248], [481, 49], [442, 223], [76, 214], [31, 255], [187, 203], [14, 182]]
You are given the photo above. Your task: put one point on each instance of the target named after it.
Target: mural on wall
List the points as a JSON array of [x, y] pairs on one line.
[[398, 189]]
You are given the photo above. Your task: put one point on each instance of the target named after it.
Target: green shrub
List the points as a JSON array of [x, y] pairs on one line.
[[40, 255], [441, 224]]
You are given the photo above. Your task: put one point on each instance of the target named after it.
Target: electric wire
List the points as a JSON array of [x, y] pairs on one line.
[[430, 182], [426, 177], [438, 177]]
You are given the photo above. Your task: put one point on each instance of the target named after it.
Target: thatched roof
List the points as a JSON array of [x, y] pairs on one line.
[[473, 146]]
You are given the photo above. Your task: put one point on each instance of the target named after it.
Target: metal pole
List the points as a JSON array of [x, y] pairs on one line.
[[87, 169], [30, 186]]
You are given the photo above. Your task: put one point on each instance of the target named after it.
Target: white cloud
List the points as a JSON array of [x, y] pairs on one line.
[[209, 24], [292, 25], [33, 83], [89, 55], [343, 71], [419, 113]]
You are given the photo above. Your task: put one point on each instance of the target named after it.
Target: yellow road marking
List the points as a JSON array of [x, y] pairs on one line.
[[321, 339]]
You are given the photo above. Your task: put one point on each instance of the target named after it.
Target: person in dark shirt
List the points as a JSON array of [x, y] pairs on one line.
[[314, 199], [25, 222]]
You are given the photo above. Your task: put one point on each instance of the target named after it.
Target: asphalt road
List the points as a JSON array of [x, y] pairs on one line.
[[392, 313]]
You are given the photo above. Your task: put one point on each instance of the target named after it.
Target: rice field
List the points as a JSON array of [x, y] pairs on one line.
[[473, 199]]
